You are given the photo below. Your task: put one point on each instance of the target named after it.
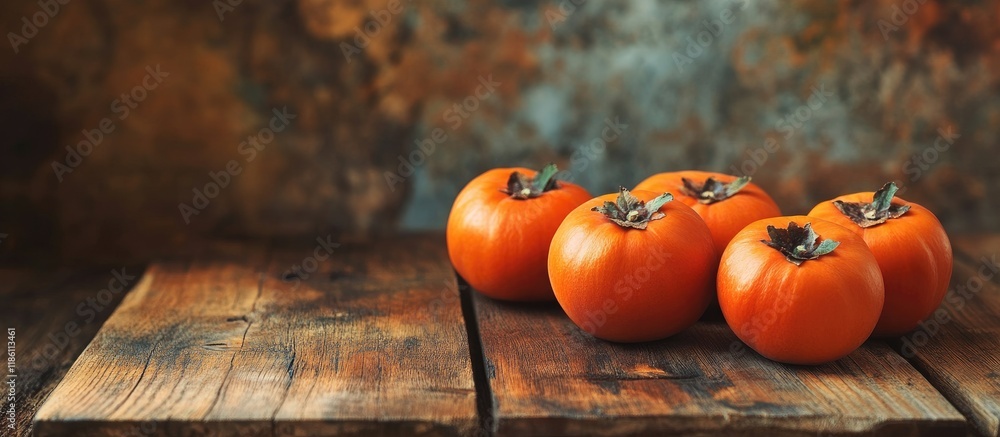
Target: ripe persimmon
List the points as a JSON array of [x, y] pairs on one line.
[[726, 203], [632, 267], [500, 227], [912, 249], [800, 290]]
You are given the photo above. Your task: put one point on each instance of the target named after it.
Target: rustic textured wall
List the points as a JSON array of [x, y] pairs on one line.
[[849, 94]]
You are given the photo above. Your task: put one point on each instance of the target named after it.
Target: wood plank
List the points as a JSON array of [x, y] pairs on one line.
[[959, 351], [372, 342], [51, 328], [549, 377]]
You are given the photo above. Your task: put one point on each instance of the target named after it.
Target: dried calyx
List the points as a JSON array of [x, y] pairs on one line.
[[879, 211], [629, 212], [522, 187], [799, 244], [712, 190]]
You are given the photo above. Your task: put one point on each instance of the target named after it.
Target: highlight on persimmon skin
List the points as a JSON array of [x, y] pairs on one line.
[[500, 227], [633, 266], [727, 203], [912, 248], [800, 290]]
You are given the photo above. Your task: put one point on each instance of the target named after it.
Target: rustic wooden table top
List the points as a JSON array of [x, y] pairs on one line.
[[381, 338]]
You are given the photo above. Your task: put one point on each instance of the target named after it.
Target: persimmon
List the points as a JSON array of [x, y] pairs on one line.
[[727, 203], [633, 266], [799, 290], [500, 227], [912, 249]]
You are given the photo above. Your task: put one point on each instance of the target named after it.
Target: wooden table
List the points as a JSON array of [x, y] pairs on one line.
[[381, 338]]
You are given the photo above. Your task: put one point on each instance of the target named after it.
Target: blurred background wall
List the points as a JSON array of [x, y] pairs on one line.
[[368, 116]]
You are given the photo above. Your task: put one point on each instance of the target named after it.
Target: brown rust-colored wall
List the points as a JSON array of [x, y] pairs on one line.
[[886, 82]]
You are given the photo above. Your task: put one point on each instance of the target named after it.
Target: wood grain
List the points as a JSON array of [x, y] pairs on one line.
[[372, 342], [549, 377], [51, 328], [959, 349]]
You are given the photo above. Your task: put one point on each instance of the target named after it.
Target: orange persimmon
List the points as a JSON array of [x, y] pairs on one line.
[[500, 227], [800, 290], [726, 203], [912, 249], [632, 267]]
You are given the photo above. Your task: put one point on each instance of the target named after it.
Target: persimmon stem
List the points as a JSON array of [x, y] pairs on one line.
[[799, 244], [879, 211], [711, 190], [628, 211], [522, 187]]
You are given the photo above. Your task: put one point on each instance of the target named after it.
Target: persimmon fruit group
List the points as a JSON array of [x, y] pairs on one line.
[[644, 265], [800, 290], [912, 249], [633, 266], [500, 227], [727, 203]]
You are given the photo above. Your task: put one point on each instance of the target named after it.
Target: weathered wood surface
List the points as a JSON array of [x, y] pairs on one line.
[[959, 349], [371, 342], [549, 377], [54, 315]]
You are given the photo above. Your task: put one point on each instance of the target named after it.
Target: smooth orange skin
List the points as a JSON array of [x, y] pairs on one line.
[[632, 285], [500, 244], [724, 218], [814, 313], [914, 255]]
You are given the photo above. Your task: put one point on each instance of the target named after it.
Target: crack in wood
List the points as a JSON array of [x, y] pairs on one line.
[[219, 347], [141, 376], [638, 377], [232, 361], [284, 396], [485, 403]]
